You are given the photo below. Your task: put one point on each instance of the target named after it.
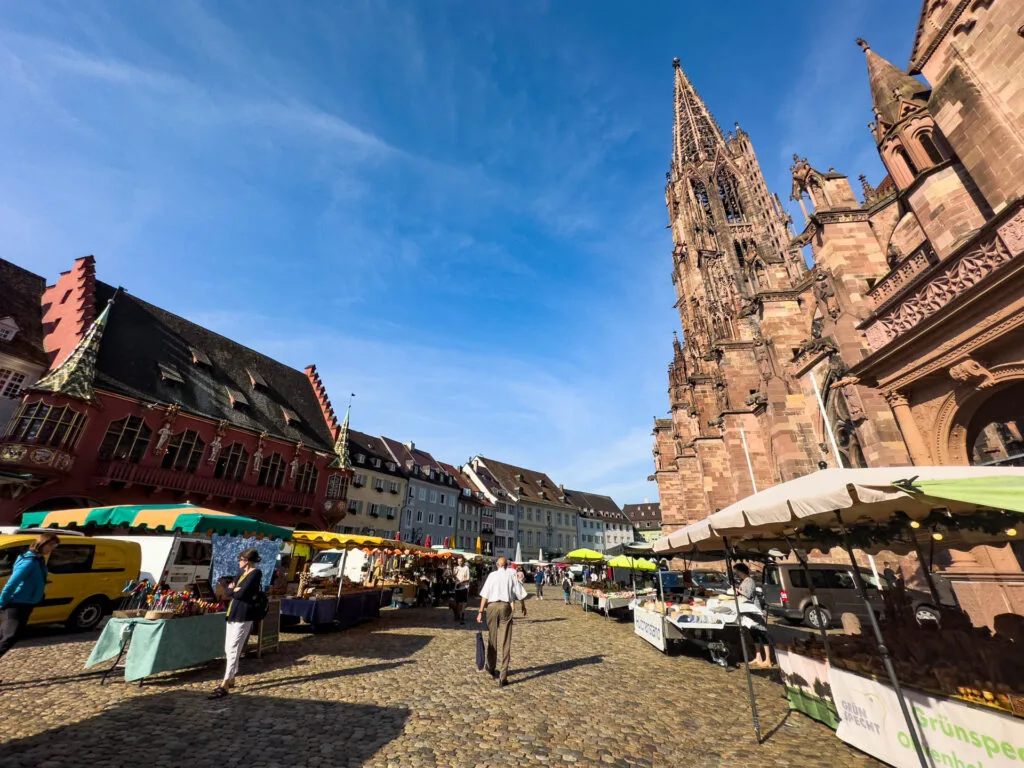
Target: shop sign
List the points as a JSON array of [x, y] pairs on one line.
[[952, 733], [650, 626]]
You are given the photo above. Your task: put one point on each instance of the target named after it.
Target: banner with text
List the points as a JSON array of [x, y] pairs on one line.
[[650, 626], [953, 733]]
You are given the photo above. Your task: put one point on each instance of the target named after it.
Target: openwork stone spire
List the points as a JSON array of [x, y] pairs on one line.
[[76, 375], [343, 460], [893, 91], [697, 137]]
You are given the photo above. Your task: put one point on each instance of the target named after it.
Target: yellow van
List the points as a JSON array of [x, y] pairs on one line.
[[86, 576]]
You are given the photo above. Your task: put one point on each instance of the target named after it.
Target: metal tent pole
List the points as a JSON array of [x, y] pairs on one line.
[[743, 645], [926, 566], [802, 559], [882, 648]]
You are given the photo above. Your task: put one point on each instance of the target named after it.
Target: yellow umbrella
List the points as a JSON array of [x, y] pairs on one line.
[[479, 546], [584, 556], [633, 563]]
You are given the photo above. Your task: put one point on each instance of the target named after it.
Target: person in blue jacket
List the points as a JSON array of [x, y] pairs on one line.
[[24, 590]]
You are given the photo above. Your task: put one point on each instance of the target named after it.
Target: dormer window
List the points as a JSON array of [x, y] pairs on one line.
[[8, 328], [238, 400], [256, 380], [199, 357], [291, 418], [375, 462], [519, 476], [390, 465], [169, 373], [360, 458]]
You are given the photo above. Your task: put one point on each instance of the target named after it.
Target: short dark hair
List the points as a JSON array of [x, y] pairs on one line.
[[742, 568], [42, 540]]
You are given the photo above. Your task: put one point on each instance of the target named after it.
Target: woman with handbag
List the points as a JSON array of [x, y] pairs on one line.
[[243, 610]]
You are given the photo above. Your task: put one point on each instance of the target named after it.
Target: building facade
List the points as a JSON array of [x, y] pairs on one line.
[[505, 515], [378, 488], [600, 523], [646, 520], [544, 520], [23, 358], [431, 501], [140, 406], [904, 343]]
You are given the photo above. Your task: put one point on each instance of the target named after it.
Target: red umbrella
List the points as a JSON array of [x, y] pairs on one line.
[[446, 542], [398, 535], [427, 542]]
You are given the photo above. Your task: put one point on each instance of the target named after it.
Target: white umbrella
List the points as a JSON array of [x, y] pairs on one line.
[[540, 555], [519, 553]]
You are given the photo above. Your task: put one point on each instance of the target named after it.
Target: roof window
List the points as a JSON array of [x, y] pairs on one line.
[[169, 373], [290, 416], [238, 400], [256, 379], [8, 328], [199, 357]]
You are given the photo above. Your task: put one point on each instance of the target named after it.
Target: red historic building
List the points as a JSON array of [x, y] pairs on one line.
[[140, 406]]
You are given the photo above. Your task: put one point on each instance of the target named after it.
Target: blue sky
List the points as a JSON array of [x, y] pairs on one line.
[[455, 209]]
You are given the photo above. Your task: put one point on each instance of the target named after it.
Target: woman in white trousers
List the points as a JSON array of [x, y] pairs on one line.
[[241, 614]]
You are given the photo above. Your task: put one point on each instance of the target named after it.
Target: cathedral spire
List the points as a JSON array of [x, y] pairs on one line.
[[891, 88], [343, 461], [75, 376], [697, 136]]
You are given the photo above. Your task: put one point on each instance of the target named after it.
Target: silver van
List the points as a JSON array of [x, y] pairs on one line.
[[787, 595]]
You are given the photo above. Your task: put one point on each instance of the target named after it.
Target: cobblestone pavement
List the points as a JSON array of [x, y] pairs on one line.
[[403, 691]]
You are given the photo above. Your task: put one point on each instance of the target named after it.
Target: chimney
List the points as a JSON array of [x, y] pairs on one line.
[[411, 445]]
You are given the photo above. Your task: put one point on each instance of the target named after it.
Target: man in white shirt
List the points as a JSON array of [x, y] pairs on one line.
[[462, 577], [500, 592]]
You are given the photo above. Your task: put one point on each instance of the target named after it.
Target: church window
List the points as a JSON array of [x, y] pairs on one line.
[[55, 425], [307, 478], [700, 197], [909, 169], [728, 191], [232, 462], [184, 450], [928, 145], [125, 440], [271, 471]]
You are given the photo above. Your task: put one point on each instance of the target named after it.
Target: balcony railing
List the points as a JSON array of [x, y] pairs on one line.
[[157, 477]]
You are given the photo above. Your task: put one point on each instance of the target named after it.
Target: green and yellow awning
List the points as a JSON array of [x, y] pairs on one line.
[[164, 518]]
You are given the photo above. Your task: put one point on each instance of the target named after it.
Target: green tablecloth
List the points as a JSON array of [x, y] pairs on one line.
[[161, 646]]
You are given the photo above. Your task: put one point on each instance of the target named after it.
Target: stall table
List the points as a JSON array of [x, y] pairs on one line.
[[162, 645], [347, 610]]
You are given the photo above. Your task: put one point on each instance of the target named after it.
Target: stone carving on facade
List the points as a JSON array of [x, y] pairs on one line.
[[970, 370], [1012, 234], [217, 443], [257, 457], [895, 398], [293, 465], [166, 430], [964, 274], [825, 293]]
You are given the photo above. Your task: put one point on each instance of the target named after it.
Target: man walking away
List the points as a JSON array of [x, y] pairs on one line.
[[24, 589], [500, 592], [567, 585], [539, 581], [461, 590]]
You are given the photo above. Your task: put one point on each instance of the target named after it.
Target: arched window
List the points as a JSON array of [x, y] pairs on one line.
[[928, 145], [232, 462], [700, 197], [336, 489], [126, 440], [184, 450], [761, 279], [305, 481], [817, 194], [901, 153], [728, 191], [271, 471], [58, 426]]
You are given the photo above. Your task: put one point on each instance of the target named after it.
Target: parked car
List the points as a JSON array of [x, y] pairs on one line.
[[711, 581], [175, 560], [787, 595], [85, 579]]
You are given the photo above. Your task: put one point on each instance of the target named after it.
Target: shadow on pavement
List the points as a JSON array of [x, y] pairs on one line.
[[148, 730], [364, 670], [558, 666], [378, 645]]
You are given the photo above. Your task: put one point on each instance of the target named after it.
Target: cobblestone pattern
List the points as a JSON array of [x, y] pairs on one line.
[[403, 692]]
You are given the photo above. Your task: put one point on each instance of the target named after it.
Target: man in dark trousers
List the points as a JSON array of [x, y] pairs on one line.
[[499, 594]]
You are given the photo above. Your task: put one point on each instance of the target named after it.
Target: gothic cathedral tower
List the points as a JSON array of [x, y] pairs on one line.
[[737, 423]]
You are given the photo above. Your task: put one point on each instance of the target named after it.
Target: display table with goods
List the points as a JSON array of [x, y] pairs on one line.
[[712, 624], [609, 596], [165, 631], [320, 604]]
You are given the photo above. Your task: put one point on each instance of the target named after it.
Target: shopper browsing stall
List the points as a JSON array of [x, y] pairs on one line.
[[242, 612]]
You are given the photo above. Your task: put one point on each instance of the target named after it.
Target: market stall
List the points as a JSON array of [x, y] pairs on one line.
[[337, 599], [959, 691]]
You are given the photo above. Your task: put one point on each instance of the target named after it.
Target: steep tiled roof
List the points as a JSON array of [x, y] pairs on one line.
[[604, 507], [408, 457], [528, 486], [21, 295], [372, 448], [646, 517], [140, 338]]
